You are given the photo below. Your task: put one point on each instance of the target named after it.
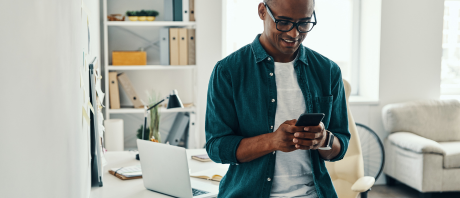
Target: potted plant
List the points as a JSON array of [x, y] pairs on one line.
[[142, 15], [132, 15], [151, 14]]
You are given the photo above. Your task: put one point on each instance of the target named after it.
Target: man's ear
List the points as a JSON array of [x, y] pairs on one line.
[[261, 11]]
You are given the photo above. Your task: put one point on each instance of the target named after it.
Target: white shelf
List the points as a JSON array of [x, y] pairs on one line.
[[150, 67], [141, 110], [149, 23]]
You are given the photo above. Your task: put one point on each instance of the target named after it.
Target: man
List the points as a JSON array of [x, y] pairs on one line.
[[254, 97]]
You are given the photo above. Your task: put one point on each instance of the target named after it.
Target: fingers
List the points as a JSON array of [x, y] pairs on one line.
[[303, 147], [308, 135], [318, 128], [293, 128], [306, 142]]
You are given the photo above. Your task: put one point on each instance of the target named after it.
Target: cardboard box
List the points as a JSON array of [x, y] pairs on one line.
[[129, 58]]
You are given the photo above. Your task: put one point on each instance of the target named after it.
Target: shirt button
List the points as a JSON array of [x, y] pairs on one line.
[[271, 74], [269, 59], [273, 100], [271, 127], [268, 179]]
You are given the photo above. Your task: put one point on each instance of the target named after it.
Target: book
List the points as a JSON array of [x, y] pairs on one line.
[[177, 10], [191, 46], [114, 92], [178, 129], [168, 10], [185, 10], [164, 46], [191, 10], [173, 46], [183, 46], [129, 90], [215, 174], [202, 158], [125, 173]]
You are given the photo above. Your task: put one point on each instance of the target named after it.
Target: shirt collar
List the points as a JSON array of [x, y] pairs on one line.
[[260, 54]]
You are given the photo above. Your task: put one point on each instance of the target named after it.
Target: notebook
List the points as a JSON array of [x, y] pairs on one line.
[[215, 174], [201, 158], [124, 173]]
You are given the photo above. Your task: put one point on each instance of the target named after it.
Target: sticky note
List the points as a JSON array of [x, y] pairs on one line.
[[85, 115], [91, 106]]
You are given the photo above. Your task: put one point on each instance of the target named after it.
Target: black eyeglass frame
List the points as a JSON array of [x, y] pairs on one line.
[[294, 24]]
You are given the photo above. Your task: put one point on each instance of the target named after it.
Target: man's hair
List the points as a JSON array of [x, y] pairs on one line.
[[269, 2]]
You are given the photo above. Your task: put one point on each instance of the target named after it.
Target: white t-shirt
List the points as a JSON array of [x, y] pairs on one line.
[[293, 170]]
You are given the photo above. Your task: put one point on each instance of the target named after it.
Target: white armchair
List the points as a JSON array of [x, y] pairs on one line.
[[423, 149]]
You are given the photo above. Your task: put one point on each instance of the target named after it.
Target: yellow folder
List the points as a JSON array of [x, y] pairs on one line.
[[183, 46], [174, 46], [114, 92]]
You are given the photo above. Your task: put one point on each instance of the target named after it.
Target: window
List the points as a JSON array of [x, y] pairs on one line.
[[450, 63], [336, 39]]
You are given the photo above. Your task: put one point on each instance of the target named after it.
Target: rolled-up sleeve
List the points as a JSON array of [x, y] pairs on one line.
[[339, 115], [221, 122]]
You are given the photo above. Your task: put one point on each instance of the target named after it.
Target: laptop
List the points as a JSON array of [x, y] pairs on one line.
[[165, 170]]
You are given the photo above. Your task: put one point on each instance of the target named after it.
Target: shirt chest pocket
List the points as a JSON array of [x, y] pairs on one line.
[[323, 105]]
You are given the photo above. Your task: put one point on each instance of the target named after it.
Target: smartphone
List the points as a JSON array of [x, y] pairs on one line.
[[309, 119]]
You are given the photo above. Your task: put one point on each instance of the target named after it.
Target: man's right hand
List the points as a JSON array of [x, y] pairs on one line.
[[283, 136]]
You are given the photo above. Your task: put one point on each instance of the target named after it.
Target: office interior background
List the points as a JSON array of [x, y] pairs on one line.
[[390, 51]]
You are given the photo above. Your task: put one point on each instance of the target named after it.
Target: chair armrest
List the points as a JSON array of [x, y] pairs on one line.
[[363, 184], [415, 143]]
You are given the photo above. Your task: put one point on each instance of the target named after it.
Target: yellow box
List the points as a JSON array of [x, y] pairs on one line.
[[129, 58]]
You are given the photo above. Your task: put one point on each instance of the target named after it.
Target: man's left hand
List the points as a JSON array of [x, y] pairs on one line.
[[311, 138]]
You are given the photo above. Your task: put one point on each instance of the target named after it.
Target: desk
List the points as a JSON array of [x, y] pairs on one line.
[[117, 188]]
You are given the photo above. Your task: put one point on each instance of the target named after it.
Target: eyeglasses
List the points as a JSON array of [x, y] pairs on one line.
[[286, 26]]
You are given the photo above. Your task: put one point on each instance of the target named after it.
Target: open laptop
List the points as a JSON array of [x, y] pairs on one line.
[[165, 170]]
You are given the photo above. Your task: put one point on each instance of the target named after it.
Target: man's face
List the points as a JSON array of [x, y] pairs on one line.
[[290, 10]]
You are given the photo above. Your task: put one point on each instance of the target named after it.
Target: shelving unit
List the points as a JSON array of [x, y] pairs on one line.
[[162, 110], [150, 23], [150, 67], [139, 25]]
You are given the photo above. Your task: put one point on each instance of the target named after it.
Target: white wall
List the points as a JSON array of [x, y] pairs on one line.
[[410, 57], [209, 45], [43, 151]]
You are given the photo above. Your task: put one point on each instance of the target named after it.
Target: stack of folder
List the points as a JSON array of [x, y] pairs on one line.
[[179, 10], [114, 78], [177, 46]]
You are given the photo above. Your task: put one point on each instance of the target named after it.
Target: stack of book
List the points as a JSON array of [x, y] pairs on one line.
[[177, 46], [179, 10]]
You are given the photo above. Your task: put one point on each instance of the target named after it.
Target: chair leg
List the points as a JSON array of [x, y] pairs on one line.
[[364, 194], [424, 195], [390, 180]]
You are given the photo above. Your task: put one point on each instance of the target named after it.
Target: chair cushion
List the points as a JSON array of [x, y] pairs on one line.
[[437, 120], [415, 143], [452, 157]]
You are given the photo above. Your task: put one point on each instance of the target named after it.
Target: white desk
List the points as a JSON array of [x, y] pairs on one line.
[[117, 188]]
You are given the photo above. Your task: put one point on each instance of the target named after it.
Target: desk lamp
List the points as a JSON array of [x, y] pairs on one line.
[[173, 102]]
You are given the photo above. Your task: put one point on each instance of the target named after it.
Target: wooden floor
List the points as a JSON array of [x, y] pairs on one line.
[[403, 191]]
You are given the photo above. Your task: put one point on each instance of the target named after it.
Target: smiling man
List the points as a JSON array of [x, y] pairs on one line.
[[254, 98]]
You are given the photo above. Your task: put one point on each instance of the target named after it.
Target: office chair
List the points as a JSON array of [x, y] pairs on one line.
[[348, 174]]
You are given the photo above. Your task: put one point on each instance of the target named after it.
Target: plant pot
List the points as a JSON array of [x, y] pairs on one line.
[[133, 18], [150, 18], [142, 18]]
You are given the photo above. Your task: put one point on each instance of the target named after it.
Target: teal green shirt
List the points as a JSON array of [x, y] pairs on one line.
[[241, 103]]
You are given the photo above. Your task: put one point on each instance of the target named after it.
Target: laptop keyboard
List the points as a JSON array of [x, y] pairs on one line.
[[197, 192]]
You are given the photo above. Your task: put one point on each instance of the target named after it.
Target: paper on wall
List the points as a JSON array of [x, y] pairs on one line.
[[100, 94], [85, 115], [81, 80], [90, 107]]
